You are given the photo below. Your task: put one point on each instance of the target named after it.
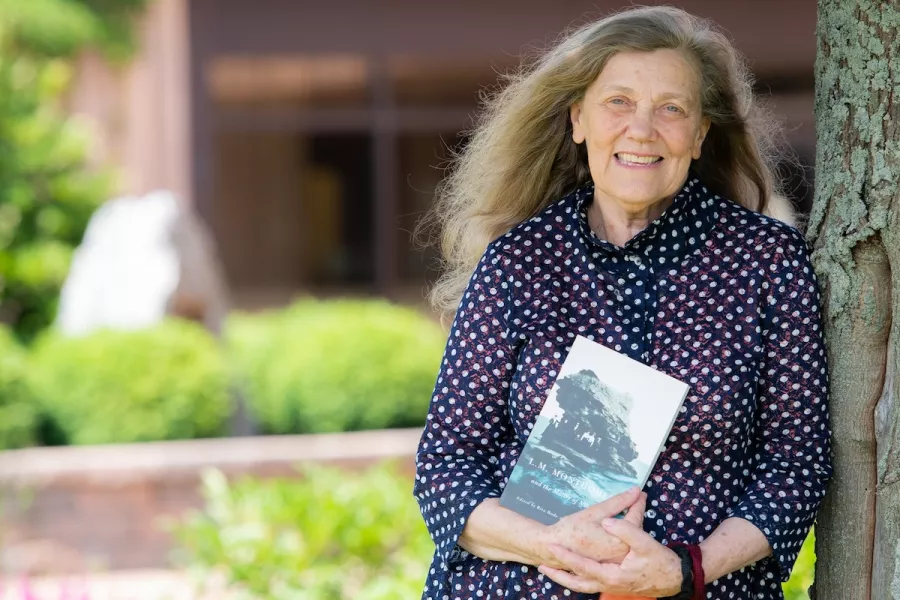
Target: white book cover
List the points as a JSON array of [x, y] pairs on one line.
[[604, 423]]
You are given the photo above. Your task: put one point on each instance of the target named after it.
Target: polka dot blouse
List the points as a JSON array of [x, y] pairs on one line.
[[715, 295]]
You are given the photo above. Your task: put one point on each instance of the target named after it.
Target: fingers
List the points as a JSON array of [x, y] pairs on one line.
[[635, 514], [570, 580], [635, 537], [614, 505], [592, 541], [581, 574], [578, 564]]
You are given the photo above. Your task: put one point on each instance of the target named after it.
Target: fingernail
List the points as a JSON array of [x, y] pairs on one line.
[[608, 522]]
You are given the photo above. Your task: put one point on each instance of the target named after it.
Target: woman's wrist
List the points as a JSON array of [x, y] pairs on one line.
[[691, 578], [681, 575], [538, 541], [497, 533], [735, 544]]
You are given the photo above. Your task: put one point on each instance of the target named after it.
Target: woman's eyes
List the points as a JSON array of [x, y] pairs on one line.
[[668, 108]]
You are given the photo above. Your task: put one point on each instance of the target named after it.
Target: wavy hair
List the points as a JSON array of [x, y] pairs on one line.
[[521, 157]]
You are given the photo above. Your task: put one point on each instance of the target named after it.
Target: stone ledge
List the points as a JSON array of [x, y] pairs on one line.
[[151, 584], [101, 507], [119, 463]]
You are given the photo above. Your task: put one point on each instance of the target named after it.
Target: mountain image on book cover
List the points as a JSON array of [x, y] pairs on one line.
[[582, 448]]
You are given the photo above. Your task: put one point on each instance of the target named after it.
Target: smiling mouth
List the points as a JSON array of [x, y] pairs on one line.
[[635, 160]]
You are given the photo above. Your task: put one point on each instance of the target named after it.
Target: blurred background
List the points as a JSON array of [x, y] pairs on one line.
[[212, 311], [307, 135]]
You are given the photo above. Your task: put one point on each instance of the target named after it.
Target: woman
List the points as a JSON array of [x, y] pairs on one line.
[[614, 190]]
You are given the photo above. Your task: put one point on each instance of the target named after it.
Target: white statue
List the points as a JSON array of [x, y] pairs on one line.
[[142, 258]]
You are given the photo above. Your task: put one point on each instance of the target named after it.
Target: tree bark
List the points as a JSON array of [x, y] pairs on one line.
[[854, 230]]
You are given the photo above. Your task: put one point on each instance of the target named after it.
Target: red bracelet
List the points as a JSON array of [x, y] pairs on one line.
[[699, 575], [696, 569]]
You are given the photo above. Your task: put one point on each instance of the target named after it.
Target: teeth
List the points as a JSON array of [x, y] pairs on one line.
[[641, 160]]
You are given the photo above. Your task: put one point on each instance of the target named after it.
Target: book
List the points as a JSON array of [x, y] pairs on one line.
[[601, 429]]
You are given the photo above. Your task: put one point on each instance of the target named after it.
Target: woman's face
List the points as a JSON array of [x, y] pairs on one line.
[[642, 122]]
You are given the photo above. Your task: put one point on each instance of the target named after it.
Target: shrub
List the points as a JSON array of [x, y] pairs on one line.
[[168, 382], [18, 416], [47, 190], [345, 365], [329, 536]]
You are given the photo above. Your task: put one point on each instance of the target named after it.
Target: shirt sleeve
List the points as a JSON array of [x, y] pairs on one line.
[[793, 436], [468, 422]]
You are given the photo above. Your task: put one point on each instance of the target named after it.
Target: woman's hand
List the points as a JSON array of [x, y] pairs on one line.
[[583, 532], [496, 533], [649, 568]]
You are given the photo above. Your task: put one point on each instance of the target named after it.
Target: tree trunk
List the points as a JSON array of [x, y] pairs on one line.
[[854, 230]]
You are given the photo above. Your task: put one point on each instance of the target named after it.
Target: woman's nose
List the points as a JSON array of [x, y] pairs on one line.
[[641, 126]]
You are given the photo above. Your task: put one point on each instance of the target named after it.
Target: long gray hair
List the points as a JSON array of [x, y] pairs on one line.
[[521, 156]]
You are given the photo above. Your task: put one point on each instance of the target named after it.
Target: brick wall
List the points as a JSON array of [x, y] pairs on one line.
[[74, 509]]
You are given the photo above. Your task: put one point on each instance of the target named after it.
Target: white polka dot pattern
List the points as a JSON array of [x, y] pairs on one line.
[[720, 297]]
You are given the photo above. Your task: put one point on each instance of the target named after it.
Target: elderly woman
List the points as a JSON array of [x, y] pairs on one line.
[[615, 190]]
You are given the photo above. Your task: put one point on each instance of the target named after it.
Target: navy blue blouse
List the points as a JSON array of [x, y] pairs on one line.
[[711, 293]]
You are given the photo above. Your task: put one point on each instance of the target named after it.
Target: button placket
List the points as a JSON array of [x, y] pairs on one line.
[[635, 307]]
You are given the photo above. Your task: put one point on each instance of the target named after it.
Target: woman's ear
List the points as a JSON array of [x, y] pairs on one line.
[[701, 135], [575, 115]]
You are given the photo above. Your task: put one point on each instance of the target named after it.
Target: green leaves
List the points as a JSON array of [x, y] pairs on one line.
[[47, 27], [18, 415], [47, 190], [314, 367], [168, 382], [797, 588], [343, 365], [60, 28], [46, 196], [332, 535]]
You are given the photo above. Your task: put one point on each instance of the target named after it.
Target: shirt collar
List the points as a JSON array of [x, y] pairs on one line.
[[680, 230]]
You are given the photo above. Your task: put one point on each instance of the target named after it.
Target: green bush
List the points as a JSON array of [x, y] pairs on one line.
[[328, 536], [18, 416], [344, 365], [168, 382], [47, 191]]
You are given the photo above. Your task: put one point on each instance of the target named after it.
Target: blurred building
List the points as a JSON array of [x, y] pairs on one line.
[[310, 135]]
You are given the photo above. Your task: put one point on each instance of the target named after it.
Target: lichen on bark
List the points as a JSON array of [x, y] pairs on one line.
[[853, 230]]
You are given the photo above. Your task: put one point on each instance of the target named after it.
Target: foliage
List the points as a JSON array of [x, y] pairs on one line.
[[168, 382], [328, 536], [18, 417], [114, 29], [46, 195], [61, 28], [345, 365], [804, 571], [47, 191]]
